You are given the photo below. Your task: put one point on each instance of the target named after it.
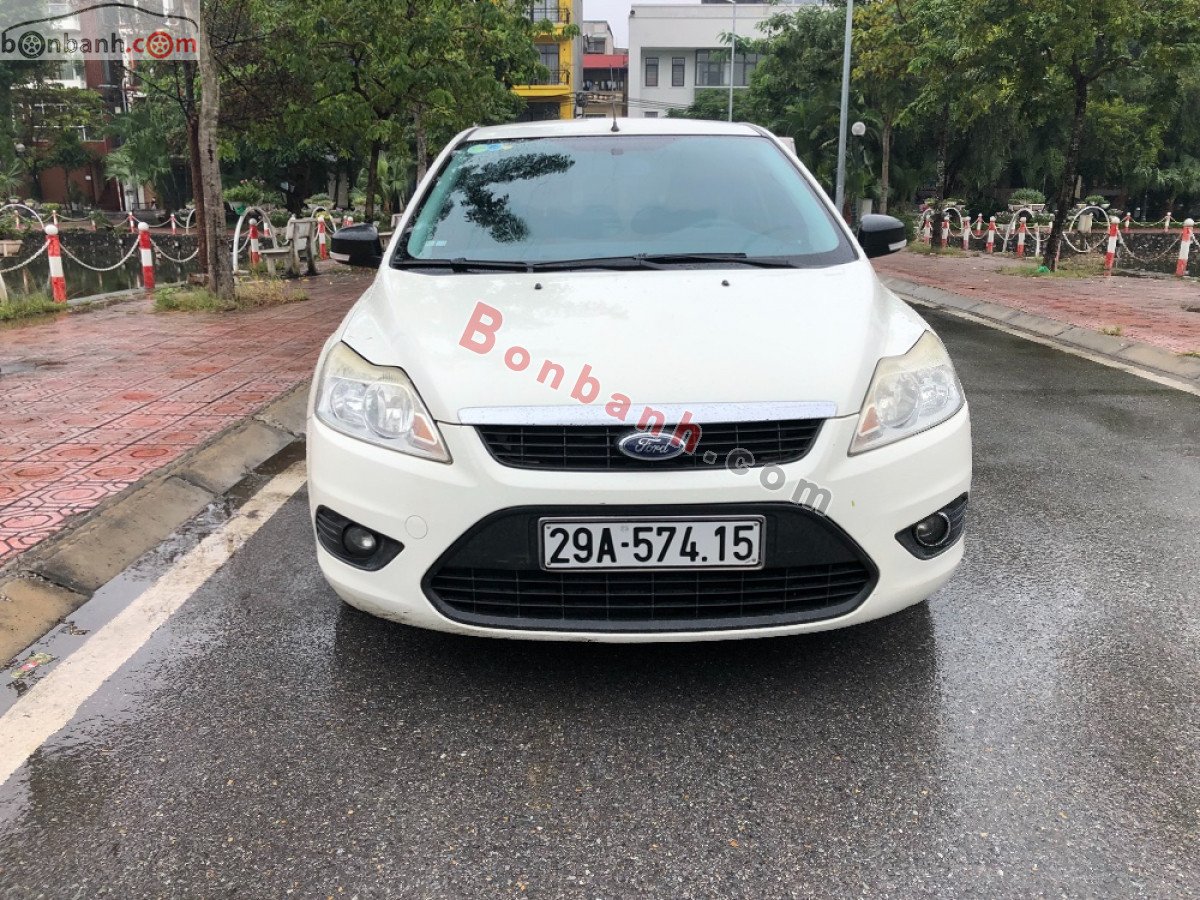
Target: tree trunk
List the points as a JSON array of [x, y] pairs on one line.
[[885, 166], [372, 181], [220, 267], [943, 147], [422, 141], [193, 136], [1066, 187]]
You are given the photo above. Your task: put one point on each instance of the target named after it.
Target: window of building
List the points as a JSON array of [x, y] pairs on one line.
[[677, 64], [651, 115], [713, 71], [652, 71], [744, 67], [593, 43], [710, 72], [548, 56]]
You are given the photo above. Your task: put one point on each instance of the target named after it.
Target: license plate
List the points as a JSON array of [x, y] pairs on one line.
[[637, 543]]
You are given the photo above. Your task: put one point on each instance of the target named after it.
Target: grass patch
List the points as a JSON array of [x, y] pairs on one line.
[[247, 295], [1112, 330], [29, 306], [1072, 267], [1195, 354], [935, 250]]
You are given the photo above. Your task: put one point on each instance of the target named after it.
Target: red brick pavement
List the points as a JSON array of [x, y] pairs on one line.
[[1146, 309], [116, 394]]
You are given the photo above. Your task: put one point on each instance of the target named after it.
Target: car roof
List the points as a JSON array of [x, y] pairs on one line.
[[579, 127]]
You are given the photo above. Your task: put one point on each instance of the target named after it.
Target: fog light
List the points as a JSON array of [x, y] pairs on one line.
[[358, 541], [932, 531]]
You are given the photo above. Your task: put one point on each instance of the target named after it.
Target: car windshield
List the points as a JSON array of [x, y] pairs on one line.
[[574, 199]]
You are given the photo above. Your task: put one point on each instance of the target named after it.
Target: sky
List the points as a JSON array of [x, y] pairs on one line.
[[617, 14]]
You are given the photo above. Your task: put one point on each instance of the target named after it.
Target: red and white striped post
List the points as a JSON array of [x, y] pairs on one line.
[[979, 224], [1185, 247], [1110, 255], [927, 231], [322, 248], [945, 230], [132, 224], [147, 256], [991, 238], [255, 255], [1167, 221], [1128, 221], [174, 225], [54, 216], [58, 284], [1021, 231], [347, 221], [966, 227]]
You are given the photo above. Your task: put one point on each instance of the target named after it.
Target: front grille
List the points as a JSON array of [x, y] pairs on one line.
[[594, 447], [492, 577]]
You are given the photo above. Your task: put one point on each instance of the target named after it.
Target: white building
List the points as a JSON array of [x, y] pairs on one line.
[[670, 49]]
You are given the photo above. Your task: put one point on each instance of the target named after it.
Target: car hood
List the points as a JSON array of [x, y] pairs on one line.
[[658, 337]]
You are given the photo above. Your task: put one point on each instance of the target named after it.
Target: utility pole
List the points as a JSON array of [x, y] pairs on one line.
[[732, 56], [839, 188]]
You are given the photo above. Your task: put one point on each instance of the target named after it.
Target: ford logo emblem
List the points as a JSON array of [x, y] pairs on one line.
[[648, 446]]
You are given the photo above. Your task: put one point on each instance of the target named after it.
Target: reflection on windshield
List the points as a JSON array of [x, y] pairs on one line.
[[585, 197], [482, 205]]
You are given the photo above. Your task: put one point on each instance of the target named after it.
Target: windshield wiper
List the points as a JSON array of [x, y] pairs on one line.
[[661, 261], [463, 265]]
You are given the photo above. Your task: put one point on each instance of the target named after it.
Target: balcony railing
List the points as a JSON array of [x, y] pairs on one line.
[[554, 76], [539, 12]]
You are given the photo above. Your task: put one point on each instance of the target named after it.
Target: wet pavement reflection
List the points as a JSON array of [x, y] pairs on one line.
[[1033, 730]]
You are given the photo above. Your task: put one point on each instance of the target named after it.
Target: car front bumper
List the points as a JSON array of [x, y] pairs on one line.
[[429, 507]]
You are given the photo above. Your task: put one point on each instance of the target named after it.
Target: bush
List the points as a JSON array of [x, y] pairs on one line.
[[1026, 195], [8, 228], [279, 217], [252, 193]]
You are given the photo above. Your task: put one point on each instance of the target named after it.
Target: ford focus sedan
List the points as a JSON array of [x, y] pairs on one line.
[[632, 380]]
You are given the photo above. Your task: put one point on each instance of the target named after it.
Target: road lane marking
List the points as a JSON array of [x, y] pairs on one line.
[[53, 702], [1073, 349]]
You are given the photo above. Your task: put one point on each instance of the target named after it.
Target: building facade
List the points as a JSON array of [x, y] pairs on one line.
[[562, 55], [676, 50]]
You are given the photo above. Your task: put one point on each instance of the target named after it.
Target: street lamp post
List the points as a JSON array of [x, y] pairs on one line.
[[732, 56], [839, 188]]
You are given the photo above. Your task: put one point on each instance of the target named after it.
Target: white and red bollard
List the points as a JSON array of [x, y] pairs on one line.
[[991, 238], [322, 248], [58, 284], [347, 221], [927, 231], [255, 253], [133, 223], [174, 225], [966, 227], [1185, 247], [1167, 221], [1021, 231], [1110, 256], [147, 256], [945, 230], [1128, 221], [979, 224], [54, 217]]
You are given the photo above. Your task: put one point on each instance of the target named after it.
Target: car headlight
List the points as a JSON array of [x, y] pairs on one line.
[[908, 394], [376, 404]]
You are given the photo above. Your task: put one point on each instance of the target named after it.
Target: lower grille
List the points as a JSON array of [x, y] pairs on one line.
[[492, 577]]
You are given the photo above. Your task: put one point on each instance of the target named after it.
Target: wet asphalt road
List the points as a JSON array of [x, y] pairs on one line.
[[1033, 731]]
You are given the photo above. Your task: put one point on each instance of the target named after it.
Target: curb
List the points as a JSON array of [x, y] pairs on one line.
[[1116, 348], [47, 583]]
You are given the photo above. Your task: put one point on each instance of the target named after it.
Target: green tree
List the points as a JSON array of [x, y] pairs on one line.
[[1051, 57]]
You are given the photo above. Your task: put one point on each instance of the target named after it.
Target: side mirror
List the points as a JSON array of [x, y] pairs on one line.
[[880, 235], [357, 245]]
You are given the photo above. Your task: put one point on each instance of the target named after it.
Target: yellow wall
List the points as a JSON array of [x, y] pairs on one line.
[[562, 94]]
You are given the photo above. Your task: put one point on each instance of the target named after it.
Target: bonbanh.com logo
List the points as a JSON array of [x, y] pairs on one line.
[[127, 30]]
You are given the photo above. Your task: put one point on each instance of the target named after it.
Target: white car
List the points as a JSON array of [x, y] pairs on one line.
[[632, 380]]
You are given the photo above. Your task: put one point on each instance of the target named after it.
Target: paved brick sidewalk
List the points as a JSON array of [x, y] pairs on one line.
[[93, 402], [1145, 309]]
